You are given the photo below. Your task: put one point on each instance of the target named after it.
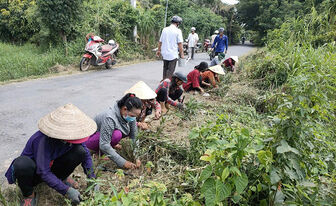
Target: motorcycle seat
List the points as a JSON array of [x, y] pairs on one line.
[[106, 48]]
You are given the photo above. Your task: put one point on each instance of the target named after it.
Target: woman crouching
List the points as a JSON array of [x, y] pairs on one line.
[[117, 122], [53, 153]]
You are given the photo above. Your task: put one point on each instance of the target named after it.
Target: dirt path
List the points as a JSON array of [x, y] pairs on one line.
[[23, 104]]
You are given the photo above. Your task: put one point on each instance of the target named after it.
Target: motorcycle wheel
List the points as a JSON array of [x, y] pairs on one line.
[[84, 64], [110, 62]]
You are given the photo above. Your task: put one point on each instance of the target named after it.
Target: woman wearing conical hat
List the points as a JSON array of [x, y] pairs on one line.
[[212, 75], [53, 153], [117, 122], [147, 96]]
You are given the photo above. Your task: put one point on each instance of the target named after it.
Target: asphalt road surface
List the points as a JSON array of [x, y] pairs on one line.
[[23, 104]]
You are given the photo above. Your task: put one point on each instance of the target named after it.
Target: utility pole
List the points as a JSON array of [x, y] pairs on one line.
[[135, 33], [165, 21]]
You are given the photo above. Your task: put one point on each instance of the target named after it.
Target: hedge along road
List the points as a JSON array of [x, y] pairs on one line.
[[23, 104]]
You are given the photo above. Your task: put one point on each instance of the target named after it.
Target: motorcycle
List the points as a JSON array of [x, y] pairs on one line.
[[198, 47], [98, 54], [206, 45]]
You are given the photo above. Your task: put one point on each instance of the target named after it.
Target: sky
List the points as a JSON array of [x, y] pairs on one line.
[[230, 1]]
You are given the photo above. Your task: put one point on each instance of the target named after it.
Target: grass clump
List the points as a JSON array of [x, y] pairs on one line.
[[28, 60]]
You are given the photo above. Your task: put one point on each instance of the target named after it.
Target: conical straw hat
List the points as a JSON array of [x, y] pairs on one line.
[[235, 58], [217, 69], [67, 123], [142, 91]]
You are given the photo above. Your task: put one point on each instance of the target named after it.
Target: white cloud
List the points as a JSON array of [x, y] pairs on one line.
[[231, 2]]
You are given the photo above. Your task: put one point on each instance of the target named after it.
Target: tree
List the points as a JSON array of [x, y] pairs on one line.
[[264, 15], [18, 20], [60, 16]]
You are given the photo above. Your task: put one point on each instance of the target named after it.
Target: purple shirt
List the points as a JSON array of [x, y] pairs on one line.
[[43, 150]]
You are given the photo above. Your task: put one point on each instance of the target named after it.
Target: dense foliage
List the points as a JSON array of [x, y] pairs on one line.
[[261, 16]]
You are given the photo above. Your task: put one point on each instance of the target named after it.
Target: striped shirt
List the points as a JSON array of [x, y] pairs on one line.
[[166, 84]]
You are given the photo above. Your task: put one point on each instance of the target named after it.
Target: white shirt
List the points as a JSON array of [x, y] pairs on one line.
[[213, 38], [170, 37], [192, 39]]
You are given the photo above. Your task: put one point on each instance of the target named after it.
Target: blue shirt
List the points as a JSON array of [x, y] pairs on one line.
[[43, 150], [221, 43]]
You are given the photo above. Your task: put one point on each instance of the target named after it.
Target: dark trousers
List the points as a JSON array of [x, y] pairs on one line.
[[168, 68], [192, 51], [25, 168], [162, 95]]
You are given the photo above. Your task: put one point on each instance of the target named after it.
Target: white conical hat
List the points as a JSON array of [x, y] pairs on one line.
[[67, 123], [217, 69], [235, 58], [142, 91]]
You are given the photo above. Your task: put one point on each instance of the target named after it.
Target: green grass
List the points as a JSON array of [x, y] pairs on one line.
[[28, 60]]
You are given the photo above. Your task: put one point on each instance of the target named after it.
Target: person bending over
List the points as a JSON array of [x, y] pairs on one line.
[[53, 153], [170, 92], [115, 123]]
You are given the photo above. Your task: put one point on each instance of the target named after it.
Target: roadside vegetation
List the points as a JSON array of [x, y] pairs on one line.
[[58, 29]]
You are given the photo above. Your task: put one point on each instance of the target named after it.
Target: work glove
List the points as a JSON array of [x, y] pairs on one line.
[[180, 106], [73, 195], [96, 188]]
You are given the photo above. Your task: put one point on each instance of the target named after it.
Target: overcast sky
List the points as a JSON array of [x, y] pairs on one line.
[[230, 1]]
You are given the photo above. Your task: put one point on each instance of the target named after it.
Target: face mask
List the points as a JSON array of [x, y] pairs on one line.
[[130, 119]]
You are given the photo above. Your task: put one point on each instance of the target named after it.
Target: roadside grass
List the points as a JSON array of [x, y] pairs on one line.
[[28, 60], [19, 63]]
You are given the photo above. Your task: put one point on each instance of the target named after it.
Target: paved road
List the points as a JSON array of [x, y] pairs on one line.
[[23, 104]]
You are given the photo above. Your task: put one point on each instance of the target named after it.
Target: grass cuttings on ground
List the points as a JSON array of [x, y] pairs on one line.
[[163, 149]]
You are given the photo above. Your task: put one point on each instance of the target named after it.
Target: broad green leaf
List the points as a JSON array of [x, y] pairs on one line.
[[206, 158], [259, 187], [236, 198], [208, 190], [235, 170], [284, 147], [265, 157], [241, 182], [206, 173], [225, 173], [222, 191], [274, 177]]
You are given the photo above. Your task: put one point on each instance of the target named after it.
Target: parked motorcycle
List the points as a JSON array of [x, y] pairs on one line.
[[98, 54], [206, 45], [198, 47]]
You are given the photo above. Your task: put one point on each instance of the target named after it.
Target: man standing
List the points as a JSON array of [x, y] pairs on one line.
[[170, 45], [214, 36], [192, 42], [221, 42]]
